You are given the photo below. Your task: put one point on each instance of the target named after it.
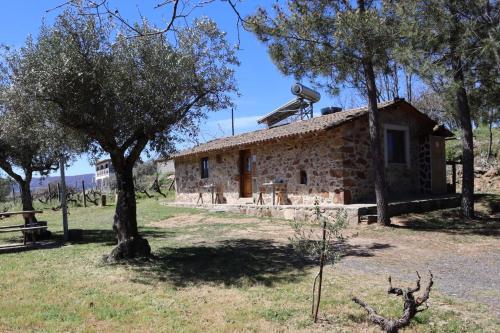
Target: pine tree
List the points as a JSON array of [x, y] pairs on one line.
[[341, 42], [447, 42]]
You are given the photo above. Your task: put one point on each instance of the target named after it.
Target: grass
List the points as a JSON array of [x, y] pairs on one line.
[[212, 272]]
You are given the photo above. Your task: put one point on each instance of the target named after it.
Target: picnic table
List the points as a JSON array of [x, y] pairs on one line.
[[30, 225]]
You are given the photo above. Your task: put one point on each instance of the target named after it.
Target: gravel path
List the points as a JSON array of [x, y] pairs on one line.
[[470, 276]]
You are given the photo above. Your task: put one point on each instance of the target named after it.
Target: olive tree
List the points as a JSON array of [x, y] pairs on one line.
[[28, 143], [5, 185], [130, 95]]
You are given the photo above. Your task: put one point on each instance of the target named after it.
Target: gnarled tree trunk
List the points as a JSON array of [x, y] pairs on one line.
[[26, 197], [130, 243]]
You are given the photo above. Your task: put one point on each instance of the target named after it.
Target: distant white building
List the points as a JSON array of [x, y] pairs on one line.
[[105, 178], [165, 166]]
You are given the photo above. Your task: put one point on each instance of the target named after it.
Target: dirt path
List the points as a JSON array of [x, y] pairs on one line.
[[467, 270]]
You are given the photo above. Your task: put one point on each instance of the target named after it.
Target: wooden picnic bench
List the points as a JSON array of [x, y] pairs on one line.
[[30, 225]]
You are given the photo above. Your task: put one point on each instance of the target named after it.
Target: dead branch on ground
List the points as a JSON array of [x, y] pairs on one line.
[[410, 309]]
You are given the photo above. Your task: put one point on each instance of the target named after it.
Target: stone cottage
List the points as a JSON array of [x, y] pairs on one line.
[[325, 157]]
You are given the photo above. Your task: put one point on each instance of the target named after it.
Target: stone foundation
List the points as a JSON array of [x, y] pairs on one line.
[[306, 212]]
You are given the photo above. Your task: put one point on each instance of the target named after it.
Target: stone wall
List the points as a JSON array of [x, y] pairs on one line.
[[425, 166], [223, 171], [403, 180], [337, 164], [319, 156]]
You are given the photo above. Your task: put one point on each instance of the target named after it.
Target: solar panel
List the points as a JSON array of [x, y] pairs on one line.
[[287, 110]]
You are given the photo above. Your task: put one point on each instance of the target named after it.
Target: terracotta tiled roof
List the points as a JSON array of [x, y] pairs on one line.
[[296, 128]]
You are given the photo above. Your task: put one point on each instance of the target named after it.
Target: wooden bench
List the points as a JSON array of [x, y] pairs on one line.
[[30, 226]]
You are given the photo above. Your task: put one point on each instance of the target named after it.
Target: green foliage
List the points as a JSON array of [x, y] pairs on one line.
[[5, 188], [481, 143], [144, 175], [453, 150], [433, 32], [307, 238], [327, 39], [29, 142], [123, 94]]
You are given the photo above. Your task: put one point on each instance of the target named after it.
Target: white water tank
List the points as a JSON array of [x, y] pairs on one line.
[[305, 92]]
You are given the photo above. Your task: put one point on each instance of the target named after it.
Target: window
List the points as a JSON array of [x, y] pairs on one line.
[[204, 167], [396, 144], [303, 177], [248, 164]]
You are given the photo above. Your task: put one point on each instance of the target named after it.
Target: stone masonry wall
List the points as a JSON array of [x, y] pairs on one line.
[[223, 171], [337, 163], [319, 156], [402, 180]]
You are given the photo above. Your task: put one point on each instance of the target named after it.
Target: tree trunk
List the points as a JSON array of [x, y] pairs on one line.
[[467, 151], [490, 137], [464, 119], [375, 146], [25, 191], [26, 198], [130, 243], [374, 129]]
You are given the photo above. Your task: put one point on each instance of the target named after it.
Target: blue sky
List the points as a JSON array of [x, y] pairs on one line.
[[262, 86]]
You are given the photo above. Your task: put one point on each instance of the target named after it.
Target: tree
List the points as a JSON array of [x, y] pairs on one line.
[[130, 95], [144, 177], [448, 41], [343, 42], [316, 239], [28, 143], [436, 106], [5, 185]]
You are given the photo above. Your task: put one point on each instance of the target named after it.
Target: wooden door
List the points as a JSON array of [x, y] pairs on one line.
[[438, 165], [246, 174]]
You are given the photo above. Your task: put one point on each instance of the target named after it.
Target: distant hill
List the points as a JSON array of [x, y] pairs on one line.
[[73, 181]]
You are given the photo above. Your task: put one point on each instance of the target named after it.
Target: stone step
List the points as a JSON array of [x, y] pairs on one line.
[[368, 219], [244, 201]]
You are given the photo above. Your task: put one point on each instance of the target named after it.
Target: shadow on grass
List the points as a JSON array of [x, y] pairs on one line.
[[486, 222], [108, 236], [239, 262], [349, 250], [19, 247]]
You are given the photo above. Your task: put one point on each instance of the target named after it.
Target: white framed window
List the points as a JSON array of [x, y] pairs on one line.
[[396, 145]]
